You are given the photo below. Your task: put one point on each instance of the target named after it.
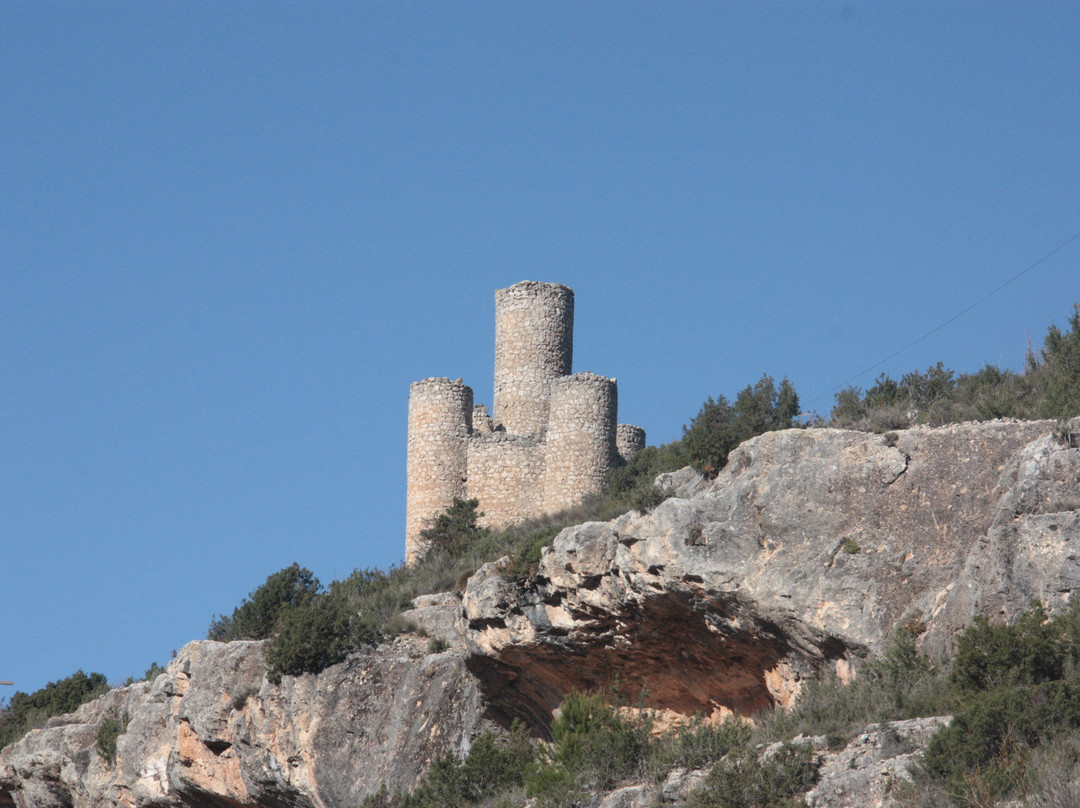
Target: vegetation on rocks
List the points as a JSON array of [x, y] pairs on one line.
[[109, 730], [260, 614], [1048, 387], [898, 684], [29, 711], [310, 627], [1017, 691], [721, 426], [744, 780], [595, 745], [1014, 691]]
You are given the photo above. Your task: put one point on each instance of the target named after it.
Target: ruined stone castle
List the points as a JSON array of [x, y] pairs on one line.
[[552, 435]]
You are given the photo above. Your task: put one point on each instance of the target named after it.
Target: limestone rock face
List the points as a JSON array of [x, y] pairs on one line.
[[211, 731], [807, 551]]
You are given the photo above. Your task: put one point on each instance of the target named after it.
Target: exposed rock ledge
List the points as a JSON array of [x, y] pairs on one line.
[[806, 551]]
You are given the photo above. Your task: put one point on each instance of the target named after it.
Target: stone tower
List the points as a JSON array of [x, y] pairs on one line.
[[580, 438], [534, 345], [440, 420], [550, 440]]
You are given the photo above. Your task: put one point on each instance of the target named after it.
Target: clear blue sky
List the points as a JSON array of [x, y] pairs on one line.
[[231, 234]]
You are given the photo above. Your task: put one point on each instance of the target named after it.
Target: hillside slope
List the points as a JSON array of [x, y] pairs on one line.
[[806, 552]]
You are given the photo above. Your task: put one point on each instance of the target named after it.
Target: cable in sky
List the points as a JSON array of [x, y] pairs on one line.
[[956, 316]]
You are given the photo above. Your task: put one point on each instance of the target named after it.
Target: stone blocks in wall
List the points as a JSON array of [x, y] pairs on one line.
[[503, 474]]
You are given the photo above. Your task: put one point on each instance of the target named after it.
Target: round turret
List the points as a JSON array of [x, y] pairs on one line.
[[580, 438], [534, 344], [629, 440], [440, 420]]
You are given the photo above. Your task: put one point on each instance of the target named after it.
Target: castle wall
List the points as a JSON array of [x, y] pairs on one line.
[[534, 345], [440, 420], [504, 475], [629, 440], [580, 438]]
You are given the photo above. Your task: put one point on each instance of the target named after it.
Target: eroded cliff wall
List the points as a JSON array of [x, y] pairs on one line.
[[212, 731]]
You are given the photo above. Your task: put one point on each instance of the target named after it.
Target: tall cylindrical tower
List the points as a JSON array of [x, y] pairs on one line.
[[580, 438], [440, 420], [534, 344]]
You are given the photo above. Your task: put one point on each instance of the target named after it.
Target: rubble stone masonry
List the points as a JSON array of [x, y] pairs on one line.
[[629, 440], [580, 438], [440, 422], [534, 345], [550, 440]]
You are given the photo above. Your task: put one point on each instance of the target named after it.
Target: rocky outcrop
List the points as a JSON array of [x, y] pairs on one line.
[[866, 773], [805, 553], [212, 731]]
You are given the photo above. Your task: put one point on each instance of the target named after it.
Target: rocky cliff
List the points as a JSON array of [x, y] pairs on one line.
[[212, 731], [807, 551]]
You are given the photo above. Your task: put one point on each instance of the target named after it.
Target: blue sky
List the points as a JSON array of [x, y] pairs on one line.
[[231, 234]]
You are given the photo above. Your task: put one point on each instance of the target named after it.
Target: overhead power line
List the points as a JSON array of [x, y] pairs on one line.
[[956, 316]]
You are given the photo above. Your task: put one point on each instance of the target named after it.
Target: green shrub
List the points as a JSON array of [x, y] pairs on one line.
[[992, 735], [454, 529], [313, 636], [595, 741], [1049, 387], [625, 483], [149, 675], [109, 730], [29, 711], [696, 744], [1032, 650], [259, 615], [743, 780], [721, 426], [850, 408], [644, 498], [898, 684], [1059, 370], [370, 599], [1018, 689], [323, 630], [525, 559], [153, 672]]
